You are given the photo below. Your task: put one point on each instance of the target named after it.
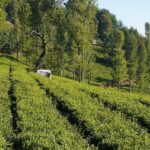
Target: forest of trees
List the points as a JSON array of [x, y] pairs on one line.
[[67, 38]]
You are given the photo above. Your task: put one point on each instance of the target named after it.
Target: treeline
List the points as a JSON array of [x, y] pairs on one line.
[[126, 50], [69, 37]]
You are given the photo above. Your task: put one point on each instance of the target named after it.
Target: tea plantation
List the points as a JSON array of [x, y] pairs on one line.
[[37, 113]]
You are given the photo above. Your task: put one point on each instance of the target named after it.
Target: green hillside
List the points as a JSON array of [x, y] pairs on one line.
[[60, 114]]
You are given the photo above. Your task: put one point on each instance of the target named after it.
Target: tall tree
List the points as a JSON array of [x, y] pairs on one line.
[[14, 18], [142, 60], [25, 14], [81, 30], [61, 41], [107, 23], [130, 47], [119, 61], [147, 33], [5, 28], [105, 27], [43, 16]]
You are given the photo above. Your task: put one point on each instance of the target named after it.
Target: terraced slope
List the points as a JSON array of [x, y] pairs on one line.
[[33, 120], [37, 113], [112, 128], [6, 132]]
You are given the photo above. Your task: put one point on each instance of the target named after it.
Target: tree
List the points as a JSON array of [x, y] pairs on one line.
[[24, 17], [59, 55], [130, 47], [119, 62], [81, 31], [4, 24], [105, 27], [107, 23], [5, 30], [3, 3], [104, 24], [132, 62], [142, 60], [147, 33], [14, 18], [43, 21]]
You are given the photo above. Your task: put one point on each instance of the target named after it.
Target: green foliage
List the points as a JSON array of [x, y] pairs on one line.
[[115, 129], [141, 71], [147, 32], [120, 119], [105, 24], [130, 46], [14, 15], [4, 25], [71, 39], [41, 125], [119, 62], [81, 32], [120, 67], [118, 39], [6, 133], [5, 32], [132, 56], [3, 3]]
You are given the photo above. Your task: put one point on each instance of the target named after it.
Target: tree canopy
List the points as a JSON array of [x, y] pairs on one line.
[[73, 39]]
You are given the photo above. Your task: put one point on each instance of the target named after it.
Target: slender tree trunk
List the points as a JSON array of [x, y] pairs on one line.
[[119, 85], [26, 57], [88, 79], [61, 72], [130, 88], [17, 50], [51, 58], [149, 85], [39, 61], [68, 73], [73, 74], [91, 79], [80, 73], [82, 67], [79, 67]]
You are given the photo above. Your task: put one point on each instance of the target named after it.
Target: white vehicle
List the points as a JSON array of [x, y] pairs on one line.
[[46, 73]]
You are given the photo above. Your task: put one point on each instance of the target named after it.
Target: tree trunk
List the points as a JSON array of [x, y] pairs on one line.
[[17, 50], [149, 86], [80, 74], [68, 73], [119, 85], [39, 61], [130, 88], [73, 74], [82, 68], [26, 57], [88, 79], [61, 72]]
